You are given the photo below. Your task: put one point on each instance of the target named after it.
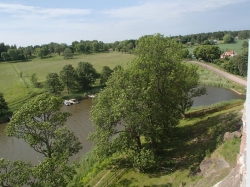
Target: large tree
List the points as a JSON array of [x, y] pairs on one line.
[[141, 100], [190, 88], [67, 53], [105, 74], [40, 123], [68, 77], [3, 105], [53, 83], [208, 53], [228, 38], [86, 75]]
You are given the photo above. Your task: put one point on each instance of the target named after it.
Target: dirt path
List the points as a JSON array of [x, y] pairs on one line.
[[222, 73]]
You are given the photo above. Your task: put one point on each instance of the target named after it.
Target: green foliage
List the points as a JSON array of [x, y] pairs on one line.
[[67, 53], [228, 38], [143, 99], [208, 53], [68, 77], [3, 105], [15, 173], [53, 83], [105, 74], [143, 160], [86, 75], [185, 53], [245, 44], [238, 64], [191, 88], [5, 56], [34, 81], [42, 52], [40, 123]]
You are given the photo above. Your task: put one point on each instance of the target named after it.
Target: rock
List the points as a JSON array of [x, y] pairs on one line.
[[230, 136], [209, 166]]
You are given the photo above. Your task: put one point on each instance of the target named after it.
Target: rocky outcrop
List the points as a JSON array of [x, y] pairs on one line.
[[212, 165], [237, 177], [230, 136]]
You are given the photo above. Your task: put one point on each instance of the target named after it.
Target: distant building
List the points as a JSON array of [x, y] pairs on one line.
[[228, 54]]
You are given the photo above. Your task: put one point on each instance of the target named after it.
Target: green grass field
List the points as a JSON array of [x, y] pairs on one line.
[[16, 88], [236, 46]]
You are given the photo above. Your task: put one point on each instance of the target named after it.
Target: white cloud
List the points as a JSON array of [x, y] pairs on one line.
[[19, 10], [166, 9]]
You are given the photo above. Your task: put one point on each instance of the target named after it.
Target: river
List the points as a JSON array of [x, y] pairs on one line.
[[12, 148]]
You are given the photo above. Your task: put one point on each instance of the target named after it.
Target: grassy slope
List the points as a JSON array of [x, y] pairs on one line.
[[194, 140], [236, 46], [16, 89]]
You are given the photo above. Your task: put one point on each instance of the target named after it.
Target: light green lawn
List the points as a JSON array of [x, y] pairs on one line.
[[236, 46], [16, 89]]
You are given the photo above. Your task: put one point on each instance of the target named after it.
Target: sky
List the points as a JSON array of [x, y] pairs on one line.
[[33, 22]]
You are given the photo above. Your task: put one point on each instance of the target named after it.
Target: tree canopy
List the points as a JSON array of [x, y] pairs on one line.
[[208, 53], [86, 75], [141, 101], [53, 83], [3, 105], [68, 77], [228, 38], [40, 123]]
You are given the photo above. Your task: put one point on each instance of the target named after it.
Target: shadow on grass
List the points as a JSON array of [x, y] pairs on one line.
[[192, 143], [189, 145]]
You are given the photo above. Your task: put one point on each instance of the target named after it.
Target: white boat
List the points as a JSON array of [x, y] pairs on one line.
[[73, 101], [67, 102], [91, 96]]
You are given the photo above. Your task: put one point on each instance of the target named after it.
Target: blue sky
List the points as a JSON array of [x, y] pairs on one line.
[[33, 22]]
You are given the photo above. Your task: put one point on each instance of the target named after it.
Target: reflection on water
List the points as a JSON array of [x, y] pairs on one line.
[[13, 149], [215, 95]]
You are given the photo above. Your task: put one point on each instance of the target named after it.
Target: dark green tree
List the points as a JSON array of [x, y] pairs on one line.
[[67, 53], [190, 88], [86, 75], [5, 56], [17, 173], [105, 74], [228, 38], [13, 54], [208, 53], [53, 83], [68, 77], [143, 100], [3, 105]]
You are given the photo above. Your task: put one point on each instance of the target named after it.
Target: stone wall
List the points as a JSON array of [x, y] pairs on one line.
[[237, 177]]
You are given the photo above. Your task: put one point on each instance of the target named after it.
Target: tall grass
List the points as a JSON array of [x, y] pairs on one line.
[[210, 78]]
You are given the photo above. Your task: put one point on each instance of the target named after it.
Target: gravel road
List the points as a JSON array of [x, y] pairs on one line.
[[222, 73]]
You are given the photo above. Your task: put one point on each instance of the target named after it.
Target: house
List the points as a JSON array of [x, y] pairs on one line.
[[228, 54]]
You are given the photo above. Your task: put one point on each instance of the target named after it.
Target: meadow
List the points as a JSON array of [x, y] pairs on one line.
[[15, 77], [236, 46], [15, 81]]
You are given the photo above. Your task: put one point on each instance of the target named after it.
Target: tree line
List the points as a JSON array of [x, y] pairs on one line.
[[210, 36], [12, 53]]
